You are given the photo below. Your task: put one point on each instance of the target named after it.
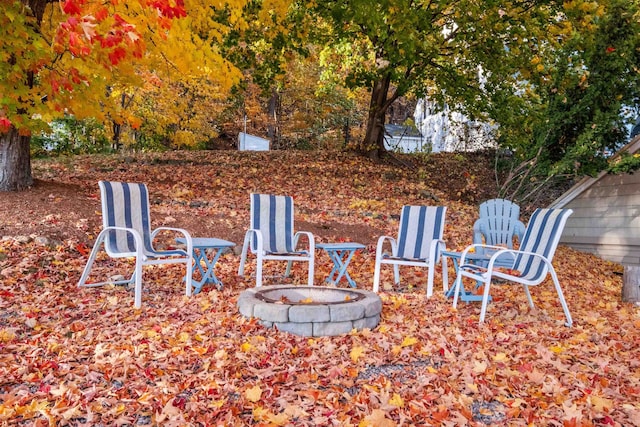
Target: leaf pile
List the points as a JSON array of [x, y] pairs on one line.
[[87, 357]]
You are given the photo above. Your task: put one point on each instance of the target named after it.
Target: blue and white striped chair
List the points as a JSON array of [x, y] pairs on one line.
[[531, 262], [271, 236], [419, 243], [127, 233]]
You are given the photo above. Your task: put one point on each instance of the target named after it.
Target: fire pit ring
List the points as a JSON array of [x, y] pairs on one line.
[[312, 310]]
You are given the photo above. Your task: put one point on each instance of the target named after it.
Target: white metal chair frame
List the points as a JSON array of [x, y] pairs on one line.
[[141, 247], [537, 250], [420, 258], [254, 239]]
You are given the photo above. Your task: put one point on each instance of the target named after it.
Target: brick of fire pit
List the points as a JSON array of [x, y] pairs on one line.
[[343, 310]]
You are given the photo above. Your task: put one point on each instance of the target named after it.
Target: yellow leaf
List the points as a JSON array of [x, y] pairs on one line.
[[253, 394], [500, 357], [278, 419], [601, 404], [556, 349], [6, 335], [479, 367], [396, 400], [183, 337], [246, 347], [356, 352], [377, 418], [408, 341]]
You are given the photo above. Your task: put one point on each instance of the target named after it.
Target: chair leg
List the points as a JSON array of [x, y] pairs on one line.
[[563, 302], [528, 293], [485, 299], [376, 276], [259, 262], [189, 277], [456, 289], [287, 271], [243, 257], [311, 272], [92, 257], [138, 284], [445, 275], [430, 278], [396, 274]]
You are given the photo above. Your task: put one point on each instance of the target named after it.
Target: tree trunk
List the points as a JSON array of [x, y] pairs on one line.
[[273, 126], [373, 143], [15, 149], [15, 161], [631, 283]]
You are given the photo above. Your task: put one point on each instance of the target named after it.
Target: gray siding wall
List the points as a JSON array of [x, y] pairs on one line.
[[606, 219]]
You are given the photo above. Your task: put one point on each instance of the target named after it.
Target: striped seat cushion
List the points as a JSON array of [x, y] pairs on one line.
[[419, 226], [273, 216]]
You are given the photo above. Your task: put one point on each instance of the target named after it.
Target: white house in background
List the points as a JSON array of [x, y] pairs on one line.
[[403, 139], [449, 130], [247, 142]]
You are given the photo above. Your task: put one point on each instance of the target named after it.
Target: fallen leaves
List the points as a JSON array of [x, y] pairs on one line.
[[86, 357]]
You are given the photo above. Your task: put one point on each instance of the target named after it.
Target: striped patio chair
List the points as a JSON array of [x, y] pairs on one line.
[[271, 236], [419, 243], [531, 262], [126, 233]]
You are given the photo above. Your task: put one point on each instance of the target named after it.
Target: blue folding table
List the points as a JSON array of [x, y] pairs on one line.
[[207, 250], [340, 254], [472, 258]]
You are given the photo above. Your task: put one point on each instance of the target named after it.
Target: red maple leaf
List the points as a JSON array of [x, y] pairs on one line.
[[72, 7], [5, 124], [117, 55]]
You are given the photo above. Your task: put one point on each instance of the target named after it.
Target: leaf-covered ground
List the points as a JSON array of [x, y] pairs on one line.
[[87, 357]]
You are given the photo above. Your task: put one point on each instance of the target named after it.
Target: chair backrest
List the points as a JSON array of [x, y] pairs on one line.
[[419, 226], [498, 223], [125, 205], [541, 237], [273, 216]]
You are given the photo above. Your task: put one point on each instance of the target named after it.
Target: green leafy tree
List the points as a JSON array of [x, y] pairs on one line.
[[572, 111], [437, 48]]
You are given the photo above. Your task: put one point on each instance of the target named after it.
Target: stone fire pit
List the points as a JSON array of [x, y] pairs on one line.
[[311, 310]]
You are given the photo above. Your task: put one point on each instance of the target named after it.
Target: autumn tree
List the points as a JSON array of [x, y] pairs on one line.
[[44, 74], [577, 95], [435, 48], [93, 59]]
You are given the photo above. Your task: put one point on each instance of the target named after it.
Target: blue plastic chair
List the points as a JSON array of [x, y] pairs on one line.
[[272, 237], [532, 261], [419, 243], [127, 233], [498, 224]]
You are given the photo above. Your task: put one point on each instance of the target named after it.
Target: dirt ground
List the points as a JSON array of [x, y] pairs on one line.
[[64, 202]]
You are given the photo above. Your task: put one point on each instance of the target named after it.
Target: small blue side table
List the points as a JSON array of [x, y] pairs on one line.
[[472, 257], [207, 249], [340, 254]]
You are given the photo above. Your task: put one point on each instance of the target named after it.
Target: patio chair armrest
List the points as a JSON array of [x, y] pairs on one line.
[[437, 246], [478, 231], [515, 253], [136, 236], [380, 246], [474, 248], [185, 234], [310, 238], [251, 237]]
